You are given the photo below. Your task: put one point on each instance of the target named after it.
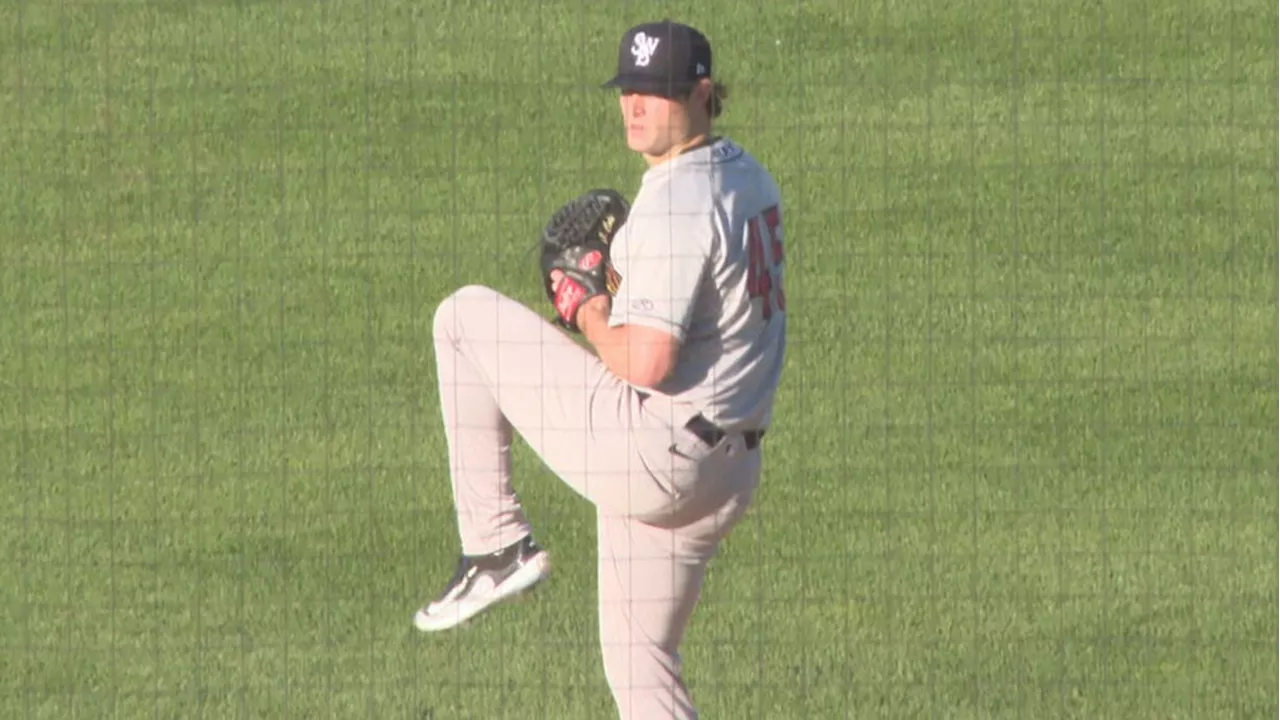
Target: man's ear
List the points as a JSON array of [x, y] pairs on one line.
[[702, 91]]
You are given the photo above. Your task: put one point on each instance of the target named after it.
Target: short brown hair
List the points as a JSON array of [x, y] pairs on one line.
[[715, 102]]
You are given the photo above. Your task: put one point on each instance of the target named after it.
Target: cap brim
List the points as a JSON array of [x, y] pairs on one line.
[[650, 84]]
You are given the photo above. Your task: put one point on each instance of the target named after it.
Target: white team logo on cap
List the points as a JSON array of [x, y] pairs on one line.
[[643, 48]]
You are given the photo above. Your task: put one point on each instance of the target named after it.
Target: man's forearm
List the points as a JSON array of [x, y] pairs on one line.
[[610, 343], [637, 354]]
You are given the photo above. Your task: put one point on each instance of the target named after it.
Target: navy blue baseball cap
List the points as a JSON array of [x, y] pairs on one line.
[[663, 58]]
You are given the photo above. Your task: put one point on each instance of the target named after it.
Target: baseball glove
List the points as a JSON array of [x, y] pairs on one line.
[[576, 242]]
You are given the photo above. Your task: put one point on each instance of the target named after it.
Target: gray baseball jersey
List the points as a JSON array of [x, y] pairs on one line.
[[701, 256]]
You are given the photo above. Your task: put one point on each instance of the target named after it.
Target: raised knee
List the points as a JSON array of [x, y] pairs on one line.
[[447, 314], [474, 291]]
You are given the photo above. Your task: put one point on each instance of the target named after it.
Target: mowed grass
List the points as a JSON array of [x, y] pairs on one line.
[[1025, 458]]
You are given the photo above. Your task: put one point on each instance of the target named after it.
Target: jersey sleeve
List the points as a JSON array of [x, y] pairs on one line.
[[665, 258]]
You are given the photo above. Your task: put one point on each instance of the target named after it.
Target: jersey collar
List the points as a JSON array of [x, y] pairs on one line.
[[692, 155]]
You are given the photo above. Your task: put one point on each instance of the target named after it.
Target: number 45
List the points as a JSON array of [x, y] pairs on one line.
[[760, 281]]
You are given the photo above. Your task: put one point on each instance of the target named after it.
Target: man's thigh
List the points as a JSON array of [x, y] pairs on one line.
[[657, 571], [650, 581], [560, 397]]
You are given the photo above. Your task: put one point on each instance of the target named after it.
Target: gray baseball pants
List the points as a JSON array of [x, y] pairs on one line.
[[664, 498]]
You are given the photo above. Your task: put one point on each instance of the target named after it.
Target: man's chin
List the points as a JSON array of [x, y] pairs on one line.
[[646, 147]]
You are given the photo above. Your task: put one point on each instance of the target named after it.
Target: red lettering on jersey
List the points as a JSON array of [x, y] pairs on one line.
[[760, 281]]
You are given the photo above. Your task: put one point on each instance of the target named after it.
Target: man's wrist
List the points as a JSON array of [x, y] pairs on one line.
[[594, 312]]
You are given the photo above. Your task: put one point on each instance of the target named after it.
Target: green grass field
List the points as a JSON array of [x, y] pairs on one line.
[[1024, 464]]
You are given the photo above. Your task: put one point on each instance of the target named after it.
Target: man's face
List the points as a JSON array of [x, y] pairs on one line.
[[653, 123]]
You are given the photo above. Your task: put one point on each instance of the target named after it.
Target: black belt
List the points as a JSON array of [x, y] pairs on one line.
[[710, 433]]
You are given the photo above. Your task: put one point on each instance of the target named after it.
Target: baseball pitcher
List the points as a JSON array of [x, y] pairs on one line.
[[680, 294]]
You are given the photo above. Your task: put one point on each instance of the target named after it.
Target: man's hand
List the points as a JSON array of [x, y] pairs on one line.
[[640, 355], [575, 243]]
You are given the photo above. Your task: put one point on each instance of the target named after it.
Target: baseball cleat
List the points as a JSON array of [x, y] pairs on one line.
[[483, 581]]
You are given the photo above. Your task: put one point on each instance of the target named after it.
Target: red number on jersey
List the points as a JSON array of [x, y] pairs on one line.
[[760, 283]]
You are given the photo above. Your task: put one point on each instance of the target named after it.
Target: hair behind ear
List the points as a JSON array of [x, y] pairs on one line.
[[715, 101]]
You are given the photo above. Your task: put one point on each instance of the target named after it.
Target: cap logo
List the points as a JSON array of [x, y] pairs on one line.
[[642, 48]]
